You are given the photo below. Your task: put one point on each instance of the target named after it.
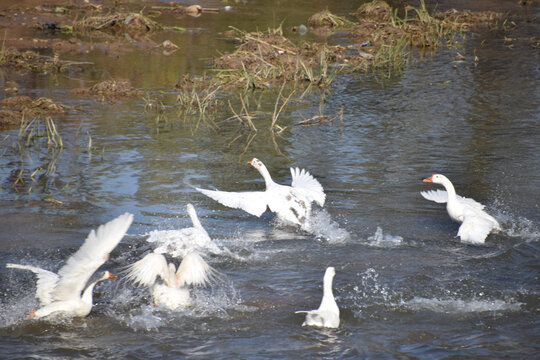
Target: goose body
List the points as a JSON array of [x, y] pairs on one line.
[[61, 293], [179, 243], [327, 315], [476, 224], [170, 286], [291, 204]]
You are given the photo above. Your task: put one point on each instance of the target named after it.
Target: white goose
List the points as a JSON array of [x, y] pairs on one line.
[[476, 223], [327, 315], [173, 291], [290, 203], [181, 242], [61, 293]]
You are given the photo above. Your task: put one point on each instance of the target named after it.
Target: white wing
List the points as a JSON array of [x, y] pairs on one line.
[[475, 229], [253, 202], [307, 185], [193, 270], [470, 202], [45, 284], [145, 271], [91, 255], [439, 196]]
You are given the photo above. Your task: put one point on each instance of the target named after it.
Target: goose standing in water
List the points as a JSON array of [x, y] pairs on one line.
[[327, 315], [172, 291], [476, 224], [61, 293], [290, 203]]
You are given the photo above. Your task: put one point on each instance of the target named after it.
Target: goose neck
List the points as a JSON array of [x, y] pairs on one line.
[[87, 293], [266, 175], [450, 190]]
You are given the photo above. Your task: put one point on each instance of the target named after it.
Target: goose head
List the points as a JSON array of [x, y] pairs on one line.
[[107, 275], [329, 273], [256, 163], [436, 179]]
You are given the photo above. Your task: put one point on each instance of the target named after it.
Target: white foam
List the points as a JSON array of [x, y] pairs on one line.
[[460, 306]]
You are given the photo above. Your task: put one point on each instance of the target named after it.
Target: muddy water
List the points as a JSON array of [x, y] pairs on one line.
[[412, 291]]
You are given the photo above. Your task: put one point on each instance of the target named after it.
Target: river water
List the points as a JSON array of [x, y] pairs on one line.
[[405, 285]]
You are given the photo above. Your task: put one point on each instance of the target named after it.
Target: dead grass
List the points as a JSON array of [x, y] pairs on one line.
[[109, 90], [17, 108], [118, 24]]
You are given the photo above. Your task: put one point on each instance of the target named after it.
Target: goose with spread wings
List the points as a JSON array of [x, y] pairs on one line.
[[60, 294], [476, 224], [170, 286], [291, 204]]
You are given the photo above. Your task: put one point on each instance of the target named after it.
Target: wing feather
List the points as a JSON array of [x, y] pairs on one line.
[[475, 229], [145, 271], [439, 196], [90, 256], [307, 185], [253, 202], [45, 284], [193, 270], [470, 202]]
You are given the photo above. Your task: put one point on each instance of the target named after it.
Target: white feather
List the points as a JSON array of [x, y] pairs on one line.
[[253, 202], [146, 270], [475, 229], [45, 284], [62, 292], [193, 270], [292, 204], [476, 223], [307, 185], [327, 315], [90, 256], [179, 243]]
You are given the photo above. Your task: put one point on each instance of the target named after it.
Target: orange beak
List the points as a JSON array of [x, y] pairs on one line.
[[429, 179], [249, 162], [112, 276]]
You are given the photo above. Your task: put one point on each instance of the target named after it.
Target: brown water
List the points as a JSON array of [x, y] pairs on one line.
[[417, 293]]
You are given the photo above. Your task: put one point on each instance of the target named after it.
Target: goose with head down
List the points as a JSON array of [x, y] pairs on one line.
[[60, 294], [291, 204], [476, 224]]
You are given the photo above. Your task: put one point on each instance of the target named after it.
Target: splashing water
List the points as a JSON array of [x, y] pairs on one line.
[[516, 226], [384, 240], [323, 227], [179, 243], [460, 306]]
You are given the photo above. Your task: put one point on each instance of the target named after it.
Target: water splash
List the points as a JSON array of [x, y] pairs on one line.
[[369, 293], [133, 306], [453, 306], [323, 227], [179, 243], [516, 226], [384, 240]]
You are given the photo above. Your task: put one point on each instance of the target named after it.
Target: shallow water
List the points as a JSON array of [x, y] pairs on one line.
[[410, 289]]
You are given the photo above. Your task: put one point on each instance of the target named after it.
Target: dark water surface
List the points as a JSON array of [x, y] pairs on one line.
[[418, 292]]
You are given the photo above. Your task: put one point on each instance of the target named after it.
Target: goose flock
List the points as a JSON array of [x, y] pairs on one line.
[[69, 293]]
